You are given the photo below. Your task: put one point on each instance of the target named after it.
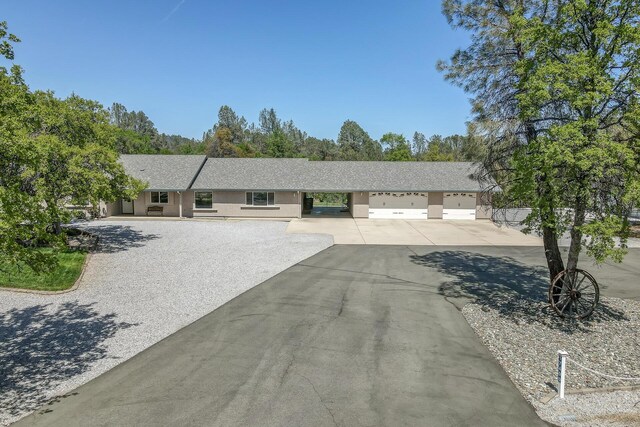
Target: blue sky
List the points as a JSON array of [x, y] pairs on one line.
[[318, 63]]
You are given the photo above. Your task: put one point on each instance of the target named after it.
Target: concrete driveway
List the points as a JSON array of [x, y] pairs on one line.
[[355, 335], [364, 231]]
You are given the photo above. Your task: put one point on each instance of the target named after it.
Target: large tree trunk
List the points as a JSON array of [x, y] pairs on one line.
[[552, 252], [576, 234]]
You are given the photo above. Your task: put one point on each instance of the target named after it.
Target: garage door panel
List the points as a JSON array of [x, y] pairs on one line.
[[389, 205], [458, 214], [459, 206], [398, 213]]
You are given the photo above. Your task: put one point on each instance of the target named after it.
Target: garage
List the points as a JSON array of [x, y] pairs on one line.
[[459, 206], [387, 205]]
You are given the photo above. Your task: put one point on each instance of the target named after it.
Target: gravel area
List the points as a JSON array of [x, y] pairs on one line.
[[525, 335], [147, 280]]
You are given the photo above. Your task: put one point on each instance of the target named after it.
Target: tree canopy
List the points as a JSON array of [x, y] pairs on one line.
[[53, 153], [555, 97]]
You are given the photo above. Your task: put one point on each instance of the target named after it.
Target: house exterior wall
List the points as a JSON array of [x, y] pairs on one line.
[[187, 203], [359, 206], [110, 209], [233, 204], [483, 206], [169, 209], [436, 201]]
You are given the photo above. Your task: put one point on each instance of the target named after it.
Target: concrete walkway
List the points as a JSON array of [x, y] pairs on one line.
[[364, 231], [355, 335]]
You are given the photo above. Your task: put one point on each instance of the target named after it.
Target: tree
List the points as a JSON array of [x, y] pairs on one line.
[[278, 145], [53, 153], [297, 137], [269, 121], [227, 134], [6, 41], [555, 91], [356, 144], [396, 147], [437, 150], [320, 149], [419, 144]]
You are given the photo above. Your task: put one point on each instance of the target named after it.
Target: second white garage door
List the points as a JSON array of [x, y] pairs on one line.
[[459, 206], [398, 205]]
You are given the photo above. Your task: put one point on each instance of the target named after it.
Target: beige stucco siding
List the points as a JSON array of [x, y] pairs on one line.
[[187, 204], [435, 205], [110, 209], [359, 207], [144, 200], [233, 204], [483, 206]]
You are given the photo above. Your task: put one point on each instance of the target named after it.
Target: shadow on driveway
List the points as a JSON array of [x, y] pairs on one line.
[[118, 238], [516, 290], [39, 347]]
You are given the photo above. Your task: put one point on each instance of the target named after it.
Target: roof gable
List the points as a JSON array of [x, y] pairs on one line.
[[163, 172]]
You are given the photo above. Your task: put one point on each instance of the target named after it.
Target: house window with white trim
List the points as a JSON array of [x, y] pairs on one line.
[[260, 198], [203, 199], [161, 197]]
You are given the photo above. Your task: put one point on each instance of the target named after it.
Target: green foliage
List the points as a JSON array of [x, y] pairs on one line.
[[319, 149], [356, 144], [66, 270], [396, 147], [54, 153], [555, 88], [278, 145]]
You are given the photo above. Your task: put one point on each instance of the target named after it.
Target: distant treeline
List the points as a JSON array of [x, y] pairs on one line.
[[233, 136]]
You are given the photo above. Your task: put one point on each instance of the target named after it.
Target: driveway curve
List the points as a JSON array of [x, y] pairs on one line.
[[353, 336], [147, 280]]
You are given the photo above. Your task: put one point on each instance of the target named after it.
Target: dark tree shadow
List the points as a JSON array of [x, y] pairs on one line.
[[39, 348], [515, 290], [118, 238]]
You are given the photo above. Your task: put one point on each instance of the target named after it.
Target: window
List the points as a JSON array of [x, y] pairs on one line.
[[204, 200], [159, 197], [261, 198]]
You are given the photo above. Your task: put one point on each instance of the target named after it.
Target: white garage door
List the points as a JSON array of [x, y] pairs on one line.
[[398, 205], [459, 206]]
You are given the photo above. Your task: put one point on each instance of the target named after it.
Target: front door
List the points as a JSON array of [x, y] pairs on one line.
[[127, 207]]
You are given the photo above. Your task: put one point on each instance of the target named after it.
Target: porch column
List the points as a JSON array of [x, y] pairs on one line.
[[180, 206]]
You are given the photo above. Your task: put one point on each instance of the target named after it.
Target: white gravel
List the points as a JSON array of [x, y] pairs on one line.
[[525, 335], [147, 280]]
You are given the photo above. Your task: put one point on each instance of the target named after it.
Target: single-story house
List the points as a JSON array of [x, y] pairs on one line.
[[196, 186]]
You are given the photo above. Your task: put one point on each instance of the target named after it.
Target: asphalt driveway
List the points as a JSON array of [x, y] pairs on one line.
[[147, 280], [365, 231], [355, 335]]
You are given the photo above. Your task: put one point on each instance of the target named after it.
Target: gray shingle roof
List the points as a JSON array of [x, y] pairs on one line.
[[252, 174], [163, 172], [304, 175], [392, 176]]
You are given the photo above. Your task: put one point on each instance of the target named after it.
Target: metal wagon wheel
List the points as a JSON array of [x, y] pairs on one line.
[[574, 294]]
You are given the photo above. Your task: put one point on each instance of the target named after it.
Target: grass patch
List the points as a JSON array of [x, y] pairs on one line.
[[63, 277]]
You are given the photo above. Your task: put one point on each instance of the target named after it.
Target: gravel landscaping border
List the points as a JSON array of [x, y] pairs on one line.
[[145, 281], [525, 334]]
